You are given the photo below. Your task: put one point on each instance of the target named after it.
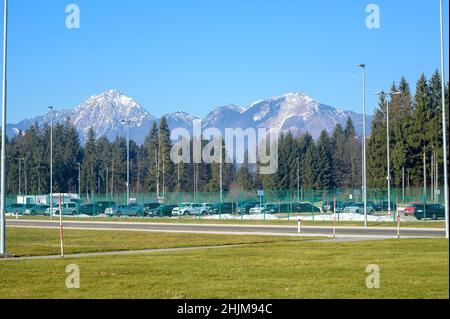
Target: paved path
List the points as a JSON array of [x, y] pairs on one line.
[[227, 229], [123, 252]]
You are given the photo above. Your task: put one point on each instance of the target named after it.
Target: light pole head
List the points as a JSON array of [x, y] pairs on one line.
[[362, 65], [380, 94], [396, 92]]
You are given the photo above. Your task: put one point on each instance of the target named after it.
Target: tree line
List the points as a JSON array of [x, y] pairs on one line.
[[333, 161]]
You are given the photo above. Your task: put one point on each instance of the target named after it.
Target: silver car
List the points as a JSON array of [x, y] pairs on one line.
[[70, 209], [122, 210], [358, 208]]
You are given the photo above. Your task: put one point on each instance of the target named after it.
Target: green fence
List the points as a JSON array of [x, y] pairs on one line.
[[286, 204]]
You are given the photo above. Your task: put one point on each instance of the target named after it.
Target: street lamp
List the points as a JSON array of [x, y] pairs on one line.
[[363, 67], [444, 124], [221, 174], [127, 123], [382, 94], [79, 180], [3, 151], [298, 179], [51, 158]]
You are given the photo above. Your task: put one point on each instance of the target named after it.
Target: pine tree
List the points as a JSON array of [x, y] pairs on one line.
[[324, 162]]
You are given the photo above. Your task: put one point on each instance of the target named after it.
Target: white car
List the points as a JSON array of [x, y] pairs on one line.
[[258, 209], [178, 210], [192, 209]]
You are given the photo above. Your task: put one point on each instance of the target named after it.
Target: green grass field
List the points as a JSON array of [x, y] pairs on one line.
[[281, 268], [190, 220], [44, 242]]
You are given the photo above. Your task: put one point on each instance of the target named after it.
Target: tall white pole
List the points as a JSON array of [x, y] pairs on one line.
[[51, 160], [444, 120], [298, 179], [388, 159], [221, 176], [20, 176], [128, 163], [363, 66], [3, 155], [79, 181]]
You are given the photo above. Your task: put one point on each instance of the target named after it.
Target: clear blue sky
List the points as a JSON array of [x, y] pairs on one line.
[[195, 55]]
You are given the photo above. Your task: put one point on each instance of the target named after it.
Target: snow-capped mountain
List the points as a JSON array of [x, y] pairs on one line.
[[295, 112]]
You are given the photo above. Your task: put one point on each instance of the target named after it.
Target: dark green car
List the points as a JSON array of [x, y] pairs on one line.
[[161, 211], [223, 208], [429, 211], [91, 209]]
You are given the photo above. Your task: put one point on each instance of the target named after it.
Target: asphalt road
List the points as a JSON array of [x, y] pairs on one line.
[[233, 229]]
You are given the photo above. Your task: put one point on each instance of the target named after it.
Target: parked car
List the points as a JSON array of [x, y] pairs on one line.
[[178, 210], [121, 210], [161, 211], [105, 204], [192, 209], [68, 209], [36, 210], [429, 211], [358, 208], [18, 209], [329, 206], [223, 208], [384, 206], [139, 208], [91, 209], [308, 208], [244, 207], [151, 206], [258, 209], [377, 207]]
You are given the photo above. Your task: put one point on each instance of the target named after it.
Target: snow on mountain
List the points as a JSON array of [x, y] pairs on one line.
[[295, 112], [180, 120]]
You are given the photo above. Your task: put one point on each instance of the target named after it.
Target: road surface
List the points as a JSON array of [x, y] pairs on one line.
[[268, 230]]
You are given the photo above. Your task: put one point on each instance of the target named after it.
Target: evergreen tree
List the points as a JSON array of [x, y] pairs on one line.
[[324, 162]]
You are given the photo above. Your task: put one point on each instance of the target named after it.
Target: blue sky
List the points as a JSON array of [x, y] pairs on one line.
[[195, 55]]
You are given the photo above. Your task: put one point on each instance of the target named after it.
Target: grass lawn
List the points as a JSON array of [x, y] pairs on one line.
[[44, 242], [417, 268], [190, 220]]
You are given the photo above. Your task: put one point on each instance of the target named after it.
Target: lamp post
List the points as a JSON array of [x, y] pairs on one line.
[[298, 179], [363, 68], [444, 120], [3, 151], [51, 158], [222, 148], [79, 180], [127, 123], [382, 94]]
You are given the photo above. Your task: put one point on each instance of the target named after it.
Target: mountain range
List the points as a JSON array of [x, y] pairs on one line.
[[295, 112]]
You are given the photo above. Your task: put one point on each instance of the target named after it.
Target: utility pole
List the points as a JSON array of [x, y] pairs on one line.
[[3, 151], [79, 180], [388, 140], [444, 122], [363, 67], [51, 159], [298, 179], [127, 123], [403, 184]]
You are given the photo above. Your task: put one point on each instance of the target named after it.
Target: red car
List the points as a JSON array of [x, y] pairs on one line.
[[411, 209]]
